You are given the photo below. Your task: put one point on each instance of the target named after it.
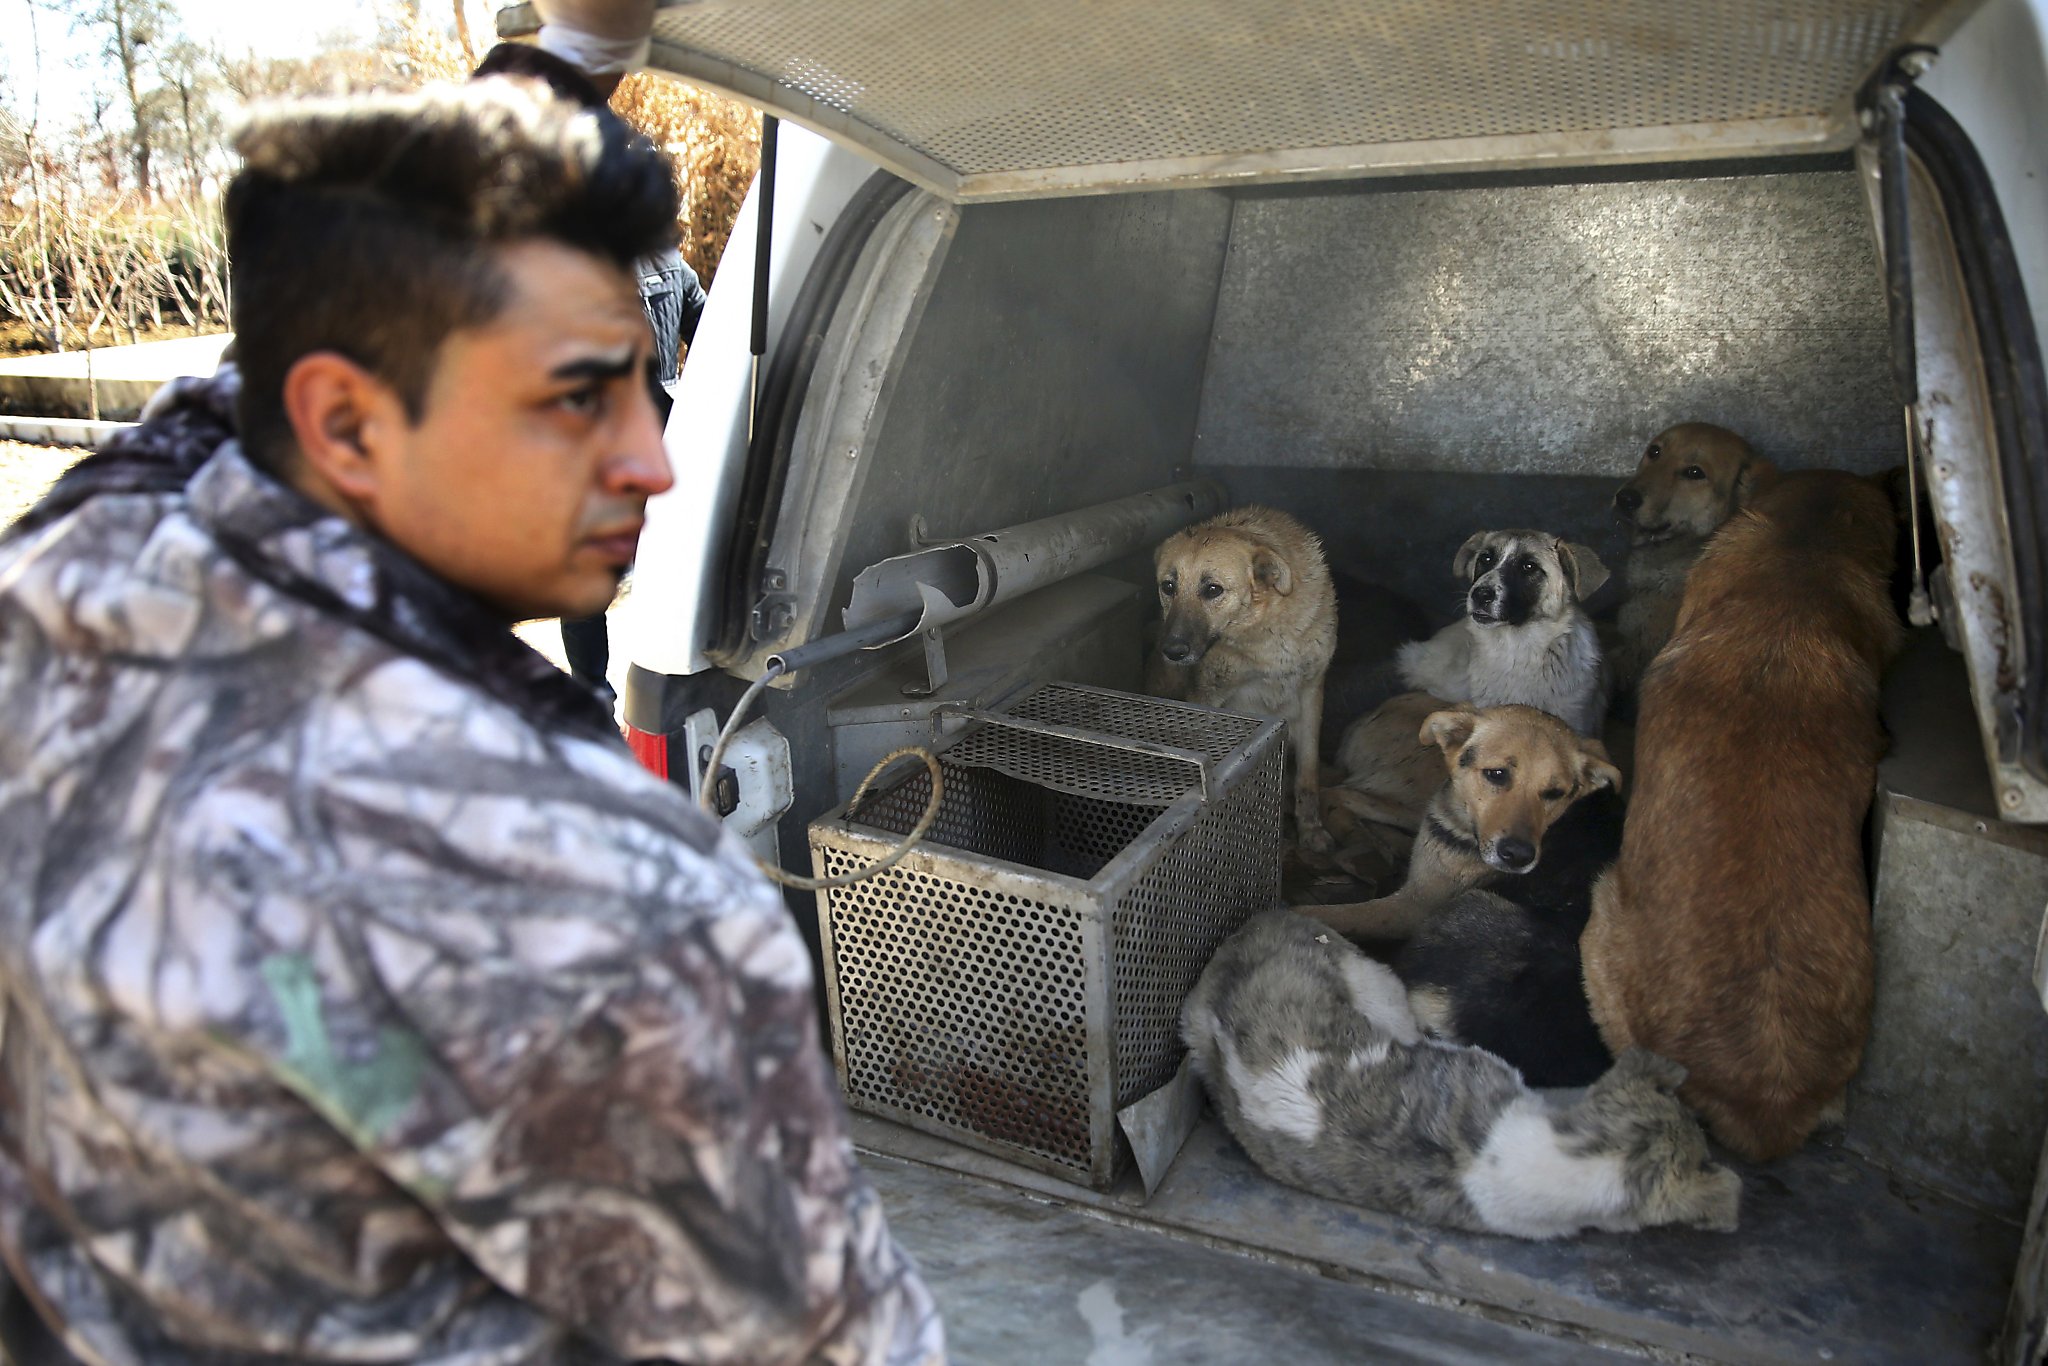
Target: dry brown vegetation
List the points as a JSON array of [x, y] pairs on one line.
[[715, 142], [87, 258]]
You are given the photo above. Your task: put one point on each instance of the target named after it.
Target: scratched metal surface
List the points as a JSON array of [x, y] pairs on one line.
[[1075, 83], [1550, 329]]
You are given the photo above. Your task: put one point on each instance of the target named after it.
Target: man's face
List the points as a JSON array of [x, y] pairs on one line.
[[526, 477]]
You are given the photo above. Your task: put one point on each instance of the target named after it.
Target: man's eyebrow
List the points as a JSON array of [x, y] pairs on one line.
[[603, 367]]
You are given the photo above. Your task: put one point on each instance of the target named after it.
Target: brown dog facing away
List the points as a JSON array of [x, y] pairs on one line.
[[1512, 771], [1733, 934], [1387, 770], [1691, 478], [1250, 625]]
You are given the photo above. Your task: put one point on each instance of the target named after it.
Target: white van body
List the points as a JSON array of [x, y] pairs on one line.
[[1406, 274]]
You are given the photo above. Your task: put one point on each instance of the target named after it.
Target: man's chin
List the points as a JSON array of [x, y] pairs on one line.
[[570, 604]]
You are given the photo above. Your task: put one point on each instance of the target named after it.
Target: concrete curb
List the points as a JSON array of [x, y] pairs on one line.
[[58, 431]]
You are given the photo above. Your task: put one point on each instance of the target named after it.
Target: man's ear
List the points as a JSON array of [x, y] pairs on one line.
[[1448, 730], [1461, 564], [1582, 569], [1270, 568], [1756, 475], [342, 417]]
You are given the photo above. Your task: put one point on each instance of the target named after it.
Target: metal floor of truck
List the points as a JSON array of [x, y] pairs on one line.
[[1836, 1260]]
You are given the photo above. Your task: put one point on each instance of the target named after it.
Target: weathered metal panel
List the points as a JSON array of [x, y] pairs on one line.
[[1954, 1086], [1837, 1260], [1550, 329], [1050, 97]]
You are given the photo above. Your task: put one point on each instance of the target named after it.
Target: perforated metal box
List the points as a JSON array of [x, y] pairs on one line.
[[1017, 978]]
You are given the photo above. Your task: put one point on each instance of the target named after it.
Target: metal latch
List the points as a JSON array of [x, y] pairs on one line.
[[754, 784]]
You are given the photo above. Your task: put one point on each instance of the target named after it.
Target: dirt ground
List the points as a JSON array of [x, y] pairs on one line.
[[26, 471]]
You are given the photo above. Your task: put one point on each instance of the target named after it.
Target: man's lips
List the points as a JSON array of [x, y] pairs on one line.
[[618, 544]]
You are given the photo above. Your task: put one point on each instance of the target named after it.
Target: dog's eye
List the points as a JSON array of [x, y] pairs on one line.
[[1692, 472], [1526, 564], [1212, 591], [1166, 588], [1485, 561], [1497, 776], [1553, 794], [1654, 451]]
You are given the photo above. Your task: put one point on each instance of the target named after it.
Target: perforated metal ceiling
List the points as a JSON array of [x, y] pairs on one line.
[[1027, 97]]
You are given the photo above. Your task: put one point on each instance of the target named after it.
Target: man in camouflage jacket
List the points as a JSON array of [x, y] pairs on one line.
[[360, 1000]]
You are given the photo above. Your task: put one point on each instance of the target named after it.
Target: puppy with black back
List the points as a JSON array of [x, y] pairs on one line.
[[1499, 967]]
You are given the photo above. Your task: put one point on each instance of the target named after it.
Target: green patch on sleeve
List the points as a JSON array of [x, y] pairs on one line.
[[363, 1099]]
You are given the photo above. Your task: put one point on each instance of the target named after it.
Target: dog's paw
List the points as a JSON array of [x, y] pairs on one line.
[[1715, 1200], [1315, 843]]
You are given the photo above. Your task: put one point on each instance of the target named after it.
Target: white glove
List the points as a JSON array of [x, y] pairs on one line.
[[598, 37]]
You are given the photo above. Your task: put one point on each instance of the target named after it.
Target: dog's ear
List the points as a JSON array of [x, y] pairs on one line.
[[1595, 771], [1468, 552], [1270, 568], [1756, 475], [1448, 730], [1582, 569]]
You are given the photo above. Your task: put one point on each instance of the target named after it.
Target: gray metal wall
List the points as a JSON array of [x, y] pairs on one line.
[[1549, 329], [1058, 364]]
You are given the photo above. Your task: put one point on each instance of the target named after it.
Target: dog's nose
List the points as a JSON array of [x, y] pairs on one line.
[[1516, 855], [1484, 594], [1174, 651], [1628, 500]]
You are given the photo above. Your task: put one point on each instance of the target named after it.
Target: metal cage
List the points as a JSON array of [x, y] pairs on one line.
[[1017, 979]]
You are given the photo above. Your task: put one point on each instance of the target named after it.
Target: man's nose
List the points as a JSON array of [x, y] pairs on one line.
[[640, 465], [1628, 500]]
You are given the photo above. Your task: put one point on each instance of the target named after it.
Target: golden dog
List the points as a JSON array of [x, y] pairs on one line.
[[1733, 935], [1512, 771], [1250, 625], [1690, 479]]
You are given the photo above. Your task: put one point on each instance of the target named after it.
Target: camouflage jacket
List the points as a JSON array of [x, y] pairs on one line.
[[363, 1001]]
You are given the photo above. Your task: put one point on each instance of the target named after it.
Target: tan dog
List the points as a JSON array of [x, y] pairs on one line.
[[1733, 935], [1250, 625], [1690, 479], [1512, 771]]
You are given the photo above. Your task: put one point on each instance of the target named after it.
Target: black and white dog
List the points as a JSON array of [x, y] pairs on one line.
[[1524, 640]]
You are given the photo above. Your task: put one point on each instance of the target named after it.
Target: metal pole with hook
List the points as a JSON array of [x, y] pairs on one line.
[[1886, 121]]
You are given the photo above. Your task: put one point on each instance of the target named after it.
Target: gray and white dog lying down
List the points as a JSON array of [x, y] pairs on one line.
[[1311, 1056]]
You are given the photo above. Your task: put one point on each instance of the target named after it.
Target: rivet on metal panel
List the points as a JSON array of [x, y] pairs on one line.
[[2012, 797]]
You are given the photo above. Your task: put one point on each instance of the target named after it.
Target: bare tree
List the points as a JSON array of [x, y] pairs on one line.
[[462, 33], [184, 105], [128, 31]]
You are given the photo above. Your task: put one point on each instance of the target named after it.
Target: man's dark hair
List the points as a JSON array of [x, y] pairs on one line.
[[363, 226]]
